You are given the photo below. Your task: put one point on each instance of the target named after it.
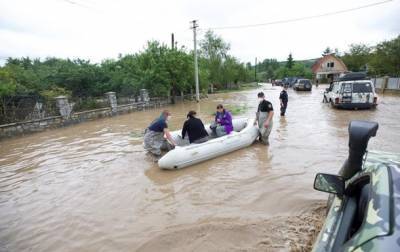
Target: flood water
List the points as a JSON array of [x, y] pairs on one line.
[[91, 186]]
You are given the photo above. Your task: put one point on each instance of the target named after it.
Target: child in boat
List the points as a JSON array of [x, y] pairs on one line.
[[154, 140], [194, 128], [223, 122]]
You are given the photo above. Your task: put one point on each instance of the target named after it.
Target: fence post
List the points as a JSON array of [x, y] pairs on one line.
[[144, 96], [385, 83], [64, 107], [112, 100]]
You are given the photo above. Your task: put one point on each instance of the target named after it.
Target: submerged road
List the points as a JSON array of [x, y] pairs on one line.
[[91, 187]]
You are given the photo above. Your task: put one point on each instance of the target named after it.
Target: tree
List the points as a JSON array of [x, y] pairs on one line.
[[358, 57], [8, 88], [215, 50], [385, 60], [289, 62], [327, 51]]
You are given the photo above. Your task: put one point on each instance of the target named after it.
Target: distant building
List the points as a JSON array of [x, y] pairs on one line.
[[328, 68]]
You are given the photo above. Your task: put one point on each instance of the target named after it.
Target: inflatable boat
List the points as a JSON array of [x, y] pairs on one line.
[[244, 134]]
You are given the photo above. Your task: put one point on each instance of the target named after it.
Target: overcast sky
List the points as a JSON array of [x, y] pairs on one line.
[[99, 29]]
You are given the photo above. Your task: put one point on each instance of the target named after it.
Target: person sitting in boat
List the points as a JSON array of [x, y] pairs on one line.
[[223, 122], [194, 128], [154, 140]]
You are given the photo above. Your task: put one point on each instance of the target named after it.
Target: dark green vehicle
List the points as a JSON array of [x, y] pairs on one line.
[[364, 204]]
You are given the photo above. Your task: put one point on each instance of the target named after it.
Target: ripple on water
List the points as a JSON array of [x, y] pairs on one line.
[[92, 187]]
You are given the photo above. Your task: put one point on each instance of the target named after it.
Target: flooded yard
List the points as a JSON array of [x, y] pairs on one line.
[[91, 186]]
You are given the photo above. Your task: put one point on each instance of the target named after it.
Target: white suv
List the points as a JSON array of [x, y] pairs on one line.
[[353, 91]]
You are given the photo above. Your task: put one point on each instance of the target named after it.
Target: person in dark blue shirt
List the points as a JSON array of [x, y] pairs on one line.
[[194, 128], [283, 97], [154, 140]]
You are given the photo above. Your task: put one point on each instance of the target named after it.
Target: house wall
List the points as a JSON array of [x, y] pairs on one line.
[[338, 66]]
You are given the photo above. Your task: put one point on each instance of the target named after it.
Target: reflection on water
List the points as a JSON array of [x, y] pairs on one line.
[[92, 187]]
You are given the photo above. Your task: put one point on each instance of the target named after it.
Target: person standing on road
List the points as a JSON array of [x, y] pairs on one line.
[[283, 97], [154, 140], [264, 115]]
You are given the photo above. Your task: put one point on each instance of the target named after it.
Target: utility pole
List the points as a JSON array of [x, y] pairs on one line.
[[196, 69], [172, 41], [255, 70]]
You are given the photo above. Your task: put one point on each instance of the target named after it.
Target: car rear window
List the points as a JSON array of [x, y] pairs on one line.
[[304, 81], [362, 87]]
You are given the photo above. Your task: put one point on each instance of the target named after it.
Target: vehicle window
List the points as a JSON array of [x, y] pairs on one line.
[[335, 88], [304, 81], [364, 87], [346, 87], [354, 214]]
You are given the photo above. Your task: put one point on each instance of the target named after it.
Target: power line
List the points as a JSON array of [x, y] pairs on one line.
[[300, 18]]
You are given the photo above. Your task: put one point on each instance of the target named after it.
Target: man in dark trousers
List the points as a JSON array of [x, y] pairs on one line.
[[283, 97], [264, 115]]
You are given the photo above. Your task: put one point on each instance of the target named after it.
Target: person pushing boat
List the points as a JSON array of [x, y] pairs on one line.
[[154, 140]]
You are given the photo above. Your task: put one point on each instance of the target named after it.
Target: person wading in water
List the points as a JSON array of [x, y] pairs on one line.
[[283, 97], [154, 140], [264, 115]]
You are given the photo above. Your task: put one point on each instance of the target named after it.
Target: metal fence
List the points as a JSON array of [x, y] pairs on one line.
[[391, 83], [25, 108], [88, 103]]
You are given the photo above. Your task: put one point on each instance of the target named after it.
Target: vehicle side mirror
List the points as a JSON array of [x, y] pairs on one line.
[[329, 183]]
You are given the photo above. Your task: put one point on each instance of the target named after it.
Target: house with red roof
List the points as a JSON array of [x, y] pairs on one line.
[[328, 68]]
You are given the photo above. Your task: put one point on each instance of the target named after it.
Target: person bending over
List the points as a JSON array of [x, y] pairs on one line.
[[154, 140], [194, 128]]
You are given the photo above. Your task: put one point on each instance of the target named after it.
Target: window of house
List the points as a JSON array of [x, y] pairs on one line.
[[330, 64]]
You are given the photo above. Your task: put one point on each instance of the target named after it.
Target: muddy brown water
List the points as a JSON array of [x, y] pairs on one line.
[[91, 187]]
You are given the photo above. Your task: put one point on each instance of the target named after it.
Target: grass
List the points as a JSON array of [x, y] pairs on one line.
[[242, 87], [235, 109], [238, 109]]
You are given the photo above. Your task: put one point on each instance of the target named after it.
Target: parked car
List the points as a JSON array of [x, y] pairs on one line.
[[353, 90], [285, 81], [364, 202], [289, 81], [278, 83], [302, 84], [292, 81]]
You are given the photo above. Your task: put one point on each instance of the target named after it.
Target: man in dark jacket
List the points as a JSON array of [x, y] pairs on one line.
[[194, 127], [283, 97], [264, 116]]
